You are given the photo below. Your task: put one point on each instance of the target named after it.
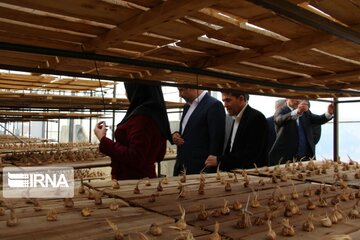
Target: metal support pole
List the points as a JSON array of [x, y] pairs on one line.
[[90, 128], [113, 114], [90, 122], [43, 129], [336, 130], [47, 130], [58, 138], [71, 130]]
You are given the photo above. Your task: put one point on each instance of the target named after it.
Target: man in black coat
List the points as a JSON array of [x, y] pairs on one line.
[[202, 130], [248, 140], [294, 132]]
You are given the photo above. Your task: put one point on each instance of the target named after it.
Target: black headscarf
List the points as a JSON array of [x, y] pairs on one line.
[[148, 100]]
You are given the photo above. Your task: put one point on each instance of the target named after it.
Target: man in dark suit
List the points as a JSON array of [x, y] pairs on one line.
[[248, 140], [202, 129], [294, 132]]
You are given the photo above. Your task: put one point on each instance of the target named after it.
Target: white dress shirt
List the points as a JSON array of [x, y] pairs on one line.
[[191, 109], [237, 120]]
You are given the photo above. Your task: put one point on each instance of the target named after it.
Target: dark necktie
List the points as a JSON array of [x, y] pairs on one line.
[[302, 147]]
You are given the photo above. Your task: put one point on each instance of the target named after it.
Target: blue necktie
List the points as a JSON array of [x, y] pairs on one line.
[[302, 147]]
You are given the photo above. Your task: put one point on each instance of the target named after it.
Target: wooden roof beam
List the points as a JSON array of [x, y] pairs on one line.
[[297, 44], [299, 14], [49, 114], [323, 78], [167, 11], [8, 99], [9, 84], [63, 106]]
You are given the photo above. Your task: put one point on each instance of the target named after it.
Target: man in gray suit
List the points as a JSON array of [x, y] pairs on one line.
[[202, 129], [294, 139], [271, 124]]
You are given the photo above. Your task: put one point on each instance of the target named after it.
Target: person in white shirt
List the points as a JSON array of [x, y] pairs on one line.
[[247, 144], [202, 130]]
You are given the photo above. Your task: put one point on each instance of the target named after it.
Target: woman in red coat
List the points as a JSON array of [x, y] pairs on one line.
[[140, 138]]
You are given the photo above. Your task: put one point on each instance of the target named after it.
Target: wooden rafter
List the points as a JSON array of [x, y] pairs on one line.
[[144, 22], [50, 101], [46, 115]]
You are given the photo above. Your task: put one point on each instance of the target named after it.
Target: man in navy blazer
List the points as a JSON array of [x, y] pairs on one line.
[[294, 138], [202, 129], [247, 144]]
